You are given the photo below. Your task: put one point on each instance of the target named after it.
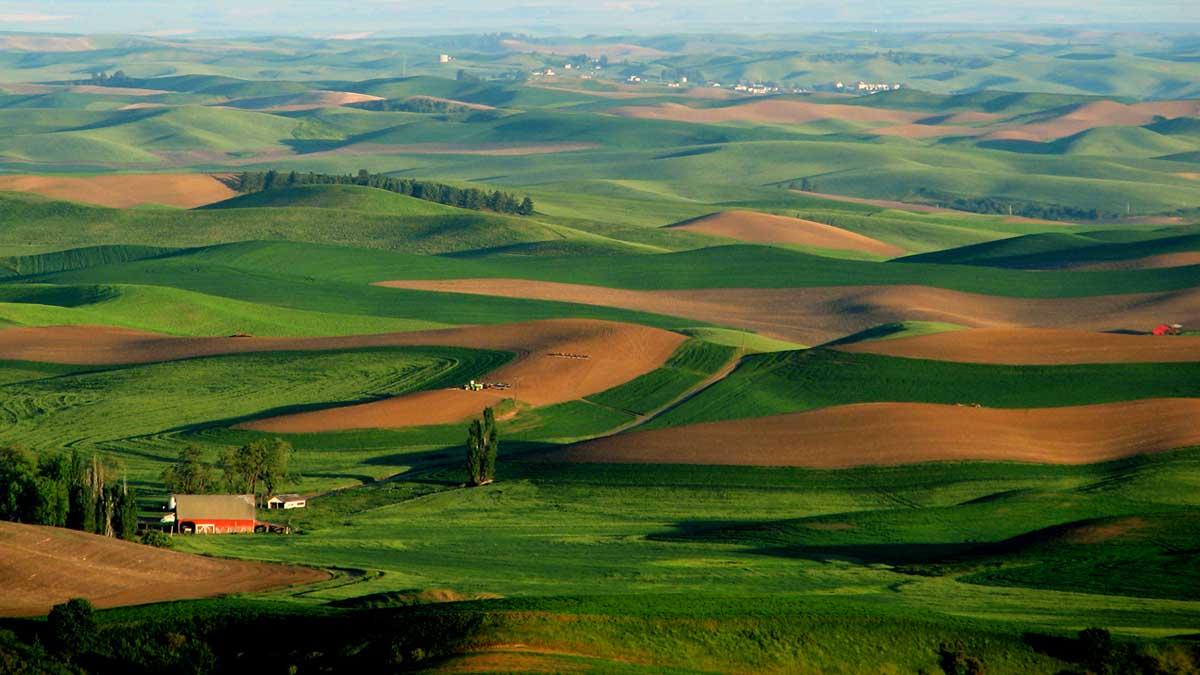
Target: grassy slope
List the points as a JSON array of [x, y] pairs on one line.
[[652, 527], [1057, 250], [688, 366], [314, 280], [136, 412], [747, 342], [767, 267], [898, 329], [353, 216], [720, 267], [338, 197], [180, 312], [770, 384]]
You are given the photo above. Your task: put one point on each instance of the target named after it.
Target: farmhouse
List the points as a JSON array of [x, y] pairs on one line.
[[212, 514], [290, 501]]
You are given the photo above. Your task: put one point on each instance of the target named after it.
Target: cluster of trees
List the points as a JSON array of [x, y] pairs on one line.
[[66, 491], [257, 468], [102, 78], [430, 106], [467, 198], [581, 60], [804, 185], [482, 445], [1008, 207]]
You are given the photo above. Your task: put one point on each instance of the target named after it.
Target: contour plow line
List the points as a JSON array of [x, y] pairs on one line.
[[734, 361]]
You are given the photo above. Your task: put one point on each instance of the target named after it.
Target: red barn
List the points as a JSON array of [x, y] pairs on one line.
[[214, 514]]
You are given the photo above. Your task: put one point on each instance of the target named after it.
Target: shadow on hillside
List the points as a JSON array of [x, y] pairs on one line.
[[788, 540], [305, 146]]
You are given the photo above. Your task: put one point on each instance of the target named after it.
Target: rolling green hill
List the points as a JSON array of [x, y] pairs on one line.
[[340, 197], [351, 215], [766, 267], [1047, 251], [180, 312], [321, 279], [785, 382]]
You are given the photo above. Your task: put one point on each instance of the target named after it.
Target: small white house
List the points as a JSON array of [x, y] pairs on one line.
[[287, 502]]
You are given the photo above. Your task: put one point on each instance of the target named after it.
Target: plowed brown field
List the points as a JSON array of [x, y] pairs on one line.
[[556, 361], [1098, 114], [43, 566], [1034, 346], [187, 190], [906, 433], [315, 99], [766, 228]]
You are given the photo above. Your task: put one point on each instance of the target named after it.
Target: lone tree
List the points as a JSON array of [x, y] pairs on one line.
[[482, 444]]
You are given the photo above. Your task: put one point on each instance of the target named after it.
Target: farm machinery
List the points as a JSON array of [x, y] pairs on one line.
[[481, 386]]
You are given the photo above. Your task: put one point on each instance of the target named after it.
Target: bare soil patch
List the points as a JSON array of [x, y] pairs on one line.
[[143, 106], [1099, 533], [1036, 346], [114, 91], [44, 566], [616, 353], [318, 98], [1098, 114], [604, 355], [771, 229], [187, 190], [905, 433], [818, 315]]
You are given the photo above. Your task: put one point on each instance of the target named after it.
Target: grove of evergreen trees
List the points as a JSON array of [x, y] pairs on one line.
[[66, 491], [466, 198]]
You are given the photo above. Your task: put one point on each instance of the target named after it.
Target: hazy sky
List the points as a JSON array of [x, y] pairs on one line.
[[390, 17]]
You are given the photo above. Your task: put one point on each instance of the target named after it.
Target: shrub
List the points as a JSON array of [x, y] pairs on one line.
[[72, 627], [155, 538]]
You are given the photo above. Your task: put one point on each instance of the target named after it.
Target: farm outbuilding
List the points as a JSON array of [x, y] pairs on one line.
[[213, 514], [290, 501], [1167, 329]]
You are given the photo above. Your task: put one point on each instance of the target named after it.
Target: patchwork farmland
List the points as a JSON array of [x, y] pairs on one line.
[[783, 381]]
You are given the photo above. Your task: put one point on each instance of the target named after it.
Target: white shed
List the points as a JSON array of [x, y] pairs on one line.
[[287, 502]]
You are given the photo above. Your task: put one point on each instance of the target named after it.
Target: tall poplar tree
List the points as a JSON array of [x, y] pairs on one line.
[[482, 445]]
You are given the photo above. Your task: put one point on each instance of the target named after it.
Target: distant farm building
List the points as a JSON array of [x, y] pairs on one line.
[[287, 502], [212, 514], [874, 87]]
